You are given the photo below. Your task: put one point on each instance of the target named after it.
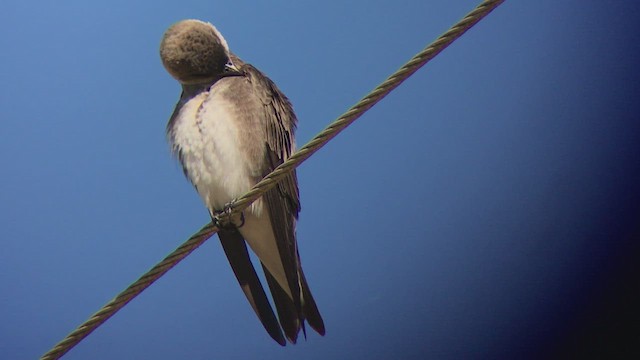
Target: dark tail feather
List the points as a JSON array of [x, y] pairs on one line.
[[287, 312], [291, 319], [309, 307], [238, 256]]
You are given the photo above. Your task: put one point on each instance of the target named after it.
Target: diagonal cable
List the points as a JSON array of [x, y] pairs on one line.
[[271, 179]]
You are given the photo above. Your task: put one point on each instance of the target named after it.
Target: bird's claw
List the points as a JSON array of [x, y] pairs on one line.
[[223, 219]]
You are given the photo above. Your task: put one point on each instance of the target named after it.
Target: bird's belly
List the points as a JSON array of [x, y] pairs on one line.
[[210, 155]]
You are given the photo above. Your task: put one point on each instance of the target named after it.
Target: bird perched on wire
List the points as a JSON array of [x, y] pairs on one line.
[[230, 128]]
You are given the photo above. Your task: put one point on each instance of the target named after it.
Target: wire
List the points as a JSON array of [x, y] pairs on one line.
[[271, 179]]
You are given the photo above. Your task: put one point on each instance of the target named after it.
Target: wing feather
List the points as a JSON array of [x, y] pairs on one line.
[[283, 201]]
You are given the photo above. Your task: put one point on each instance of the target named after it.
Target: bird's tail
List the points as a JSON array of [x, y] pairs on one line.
[[238, 256]]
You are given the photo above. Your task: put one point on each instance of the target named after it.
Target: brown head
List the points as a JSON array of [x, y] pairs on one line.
[[194, 52]]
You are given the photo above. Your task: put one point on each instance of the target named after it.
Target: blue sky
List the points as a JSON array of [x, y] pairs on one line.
[[476, 212]]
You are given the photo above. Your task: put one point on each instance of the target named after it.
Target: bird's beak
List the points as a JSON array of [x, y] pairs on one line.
[[231, 70]]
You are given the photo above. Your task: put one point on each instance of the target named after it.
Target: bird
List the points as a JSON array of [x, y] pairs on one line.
[[230, 128]]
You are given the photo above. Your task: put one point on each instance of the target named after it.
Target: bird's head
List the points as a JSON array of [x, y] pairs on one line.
[[194, 52]]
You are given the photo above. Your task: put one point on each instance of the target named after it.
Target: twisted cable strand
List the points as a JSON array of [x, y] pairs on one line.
[[271, 179], [363, 105], [130, 292]]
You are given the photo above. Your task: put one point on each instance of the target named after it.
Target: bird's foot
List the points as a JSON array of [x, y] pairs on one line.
[[226, 219]]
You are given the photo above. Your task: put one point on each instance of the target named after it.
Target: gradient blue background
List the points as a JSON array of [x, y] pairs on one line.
[[488, 208]]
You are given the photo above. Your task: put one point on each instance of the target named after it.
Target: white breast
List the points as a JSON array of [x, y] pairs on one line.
[[207, 139]]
